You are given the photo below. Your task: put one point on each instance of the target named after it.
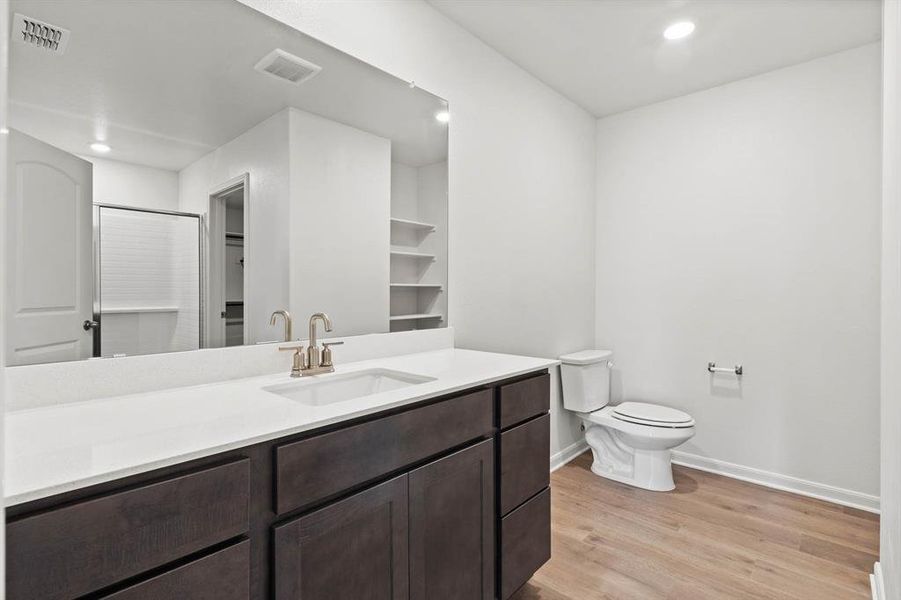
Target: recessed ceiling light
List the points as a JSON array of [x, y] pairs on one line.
[[100, 147], [679, 30], [4, 131], [443, 116]]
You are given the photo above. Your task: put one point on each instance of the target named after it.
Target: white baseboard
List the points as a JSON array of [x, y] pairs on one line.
[[877, 584], [780, 482], [567, 454]]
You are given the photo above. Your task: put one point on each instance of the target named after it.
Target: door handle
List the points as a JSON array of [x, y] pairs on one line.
[[89, 325]]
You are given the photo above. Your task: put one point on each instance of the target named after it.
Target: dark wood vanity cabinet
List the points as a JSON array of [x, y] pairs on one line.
[[446, 499], [426, 534]]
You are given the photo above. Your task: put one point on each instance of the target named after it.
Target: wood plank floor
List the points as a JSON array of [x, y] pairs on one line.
[[712, 538]]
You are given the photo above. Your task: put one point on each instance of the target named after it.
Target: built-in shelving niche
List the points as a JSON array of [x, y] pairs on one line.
[[418, 252]]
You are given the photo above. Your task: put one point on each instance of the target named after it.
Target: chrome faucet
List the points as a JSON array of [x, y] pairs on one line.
[[289, 325], [314, 362]]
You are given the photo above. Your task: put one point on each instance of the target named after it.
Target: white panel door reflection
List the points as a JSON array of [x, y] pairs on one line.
[[48, 248]]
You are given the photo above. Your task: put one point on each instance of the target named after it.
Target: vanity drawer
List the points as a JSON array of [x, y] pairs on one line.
[[524, 399], [525, 542], [525, 462], [83, 547], [325, 465], [223, 575]]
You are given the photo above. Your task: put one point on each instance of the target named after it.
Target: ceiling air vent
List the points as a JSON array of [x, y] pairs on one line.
[[283, 65], [39, 34]]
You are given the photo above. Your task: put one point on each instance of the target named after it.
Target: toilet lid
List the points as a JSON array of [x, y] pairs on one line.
[[586, 357], [652, 414]]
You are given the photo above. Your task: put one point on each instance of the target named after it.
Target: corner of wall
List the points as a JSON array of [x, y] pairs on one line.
[[888, 576], [4, 72], [596, 241]]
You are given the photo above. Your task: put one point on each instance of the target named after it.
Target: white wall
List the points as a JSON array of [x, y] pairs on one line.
[[741, 225], [263, 153], [404, 191], [431, 193], [521, 178], [127, 184], [340, 205], [318, 192], [890, 523]]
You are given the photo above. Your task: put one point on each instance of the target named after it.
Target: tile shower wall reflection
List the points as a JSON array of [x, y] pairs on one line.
[[149, 282]]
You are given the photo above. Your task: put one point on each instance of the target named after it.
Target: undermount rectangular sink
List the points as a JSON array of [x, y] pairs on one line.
[[322, 390]]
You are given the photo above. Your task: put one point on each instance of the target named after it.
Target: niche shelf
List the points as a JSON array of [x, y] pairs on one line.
[[419, 255], [412, 224], [419, 317], [421, 286]]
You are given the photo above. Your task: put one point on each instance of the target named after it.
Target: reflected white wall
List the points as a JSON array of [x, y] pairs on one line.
[[127, 184], [263, 153], [340, 206]]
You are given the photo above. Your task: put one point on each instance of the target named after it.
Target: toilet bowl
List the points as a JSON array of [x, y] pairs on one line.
[[630, 442]]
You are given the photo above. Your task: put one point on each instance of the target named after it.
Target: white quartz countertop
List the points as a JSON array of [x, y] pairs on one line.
[[60, 448]]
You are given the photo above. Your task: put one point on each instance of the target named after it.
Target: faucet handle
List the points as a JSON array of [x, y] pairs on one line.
[[327, 353], [299, 363]]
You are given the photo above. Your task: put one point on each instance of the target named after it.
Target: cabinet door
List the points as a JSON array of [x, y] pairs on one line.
[[355, 548], [452, 527]]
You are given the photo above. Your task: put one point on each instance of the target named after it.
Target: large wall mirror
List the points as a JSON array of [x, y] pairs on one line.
[[173, 183]]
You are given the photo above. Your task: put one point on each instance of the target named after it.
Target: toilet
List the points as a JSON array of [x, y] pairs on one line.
[[631, 441]]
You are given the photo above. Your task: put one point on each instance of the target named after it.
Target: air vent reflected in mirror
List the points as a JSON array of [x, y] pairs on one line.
[[285, 65], [38, 34]]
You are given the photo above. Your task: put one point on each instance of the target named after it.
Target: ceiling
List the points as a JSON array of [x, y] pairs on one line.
[[164, 83], [609, 56]]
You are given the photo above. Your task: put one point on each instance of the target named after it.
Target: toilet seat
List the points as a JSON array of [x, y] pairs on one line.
[[651, 415], [633, 450]]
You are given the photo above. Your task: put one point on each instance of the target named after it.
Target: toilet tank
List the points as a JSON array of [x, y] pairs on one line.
[[586, 380]]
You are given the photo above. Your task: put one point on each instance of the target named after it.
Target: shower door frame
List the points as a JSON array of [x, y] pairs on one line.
[[97, 206]]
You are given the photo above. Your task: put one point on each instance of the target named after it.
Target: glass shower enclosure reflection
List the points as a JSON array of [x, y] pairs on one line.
[[147, 281]]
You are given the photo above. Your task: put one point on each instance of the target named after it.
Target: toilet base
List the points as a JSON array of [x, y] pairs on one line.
[[616, 460], [657, 478]]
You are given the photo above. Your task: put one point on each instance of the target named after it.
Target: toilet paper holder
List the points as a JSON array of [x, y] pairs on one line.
[[737, 369]]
